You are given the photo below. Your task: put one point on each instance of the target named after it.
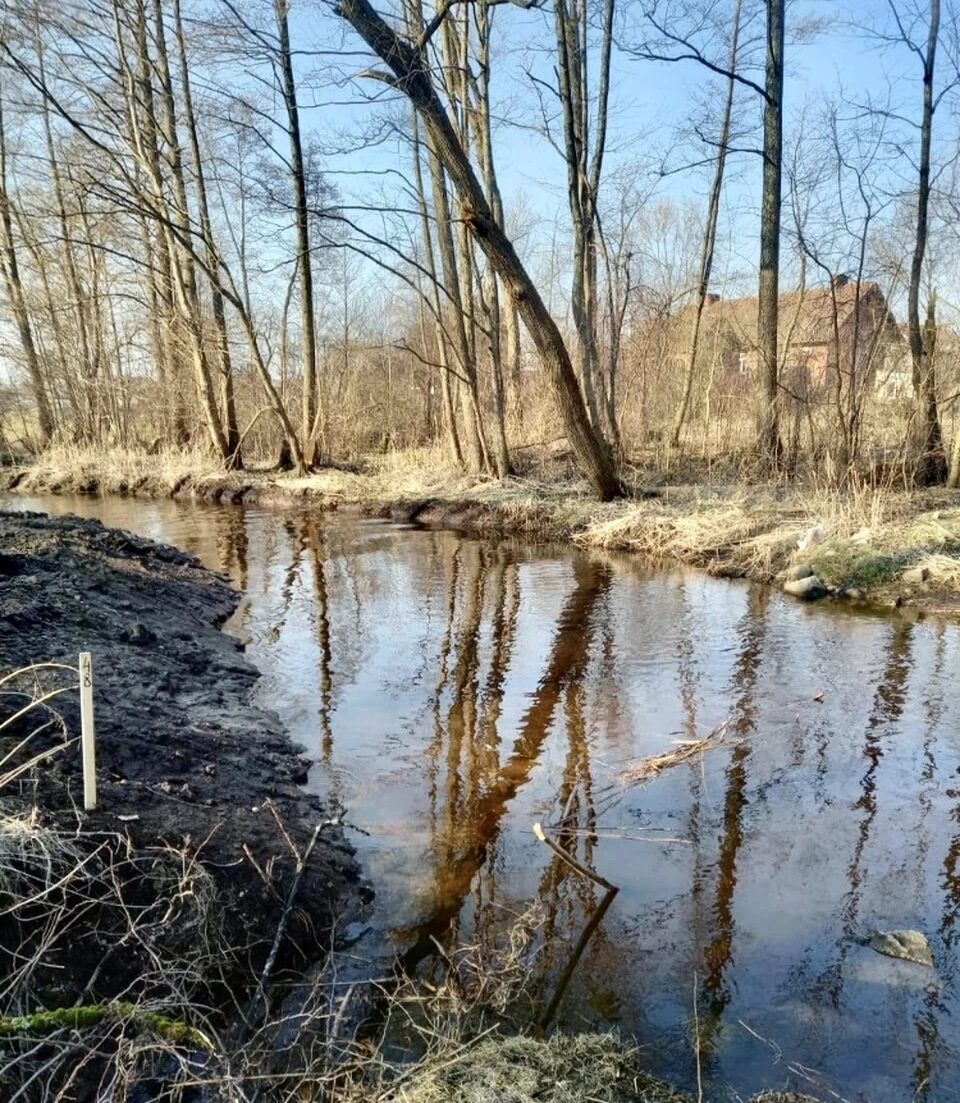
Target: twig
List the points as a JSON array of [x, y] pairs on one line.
[[260, 995], [572, 862]]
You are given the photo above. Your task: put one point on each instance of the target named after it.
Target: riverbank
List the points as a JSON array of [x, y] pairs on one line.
[[169, 913], [173, 923], [872, 545]]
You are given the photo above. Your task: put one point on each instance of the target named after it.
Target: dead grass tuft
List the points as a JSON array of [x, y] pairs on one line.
[[563, 1069], [683, 750], [738, 535]]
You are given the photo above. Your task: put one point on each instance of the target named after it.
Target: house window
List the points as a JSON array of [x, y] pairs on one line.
[[743, 363]]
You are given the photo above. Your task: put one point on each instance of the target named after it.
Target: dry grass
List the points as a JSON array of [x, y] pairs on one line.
[[866, 536], [730, 532], [562, 1069], [683, 750], [118, 470]]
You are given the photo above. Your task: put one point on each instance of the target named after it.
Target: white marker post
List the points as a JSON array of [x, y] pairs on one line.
[[87, 735]]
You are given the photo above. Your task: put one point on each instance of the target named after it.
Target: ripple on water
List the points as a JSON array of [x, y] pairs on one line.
[[454, 691]]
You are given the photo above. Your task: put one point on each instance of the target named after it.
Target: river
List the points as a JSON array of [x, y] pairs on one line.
[[453, 691]]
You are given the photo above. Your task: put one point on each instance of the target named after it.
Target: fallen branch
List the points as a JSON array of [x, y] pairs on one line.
[[585, 935]]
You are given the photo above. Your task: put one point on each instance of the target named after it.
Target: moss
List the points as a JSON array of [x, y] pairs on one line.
[[84, 1018], [859, 565]]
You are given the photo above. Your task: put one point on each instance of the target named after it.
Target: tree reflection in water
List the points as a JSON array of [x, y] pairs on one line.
[[458, 690]]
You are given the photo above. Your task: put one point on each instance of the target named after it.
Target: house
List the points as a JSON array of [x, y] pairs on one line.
[[895, 380], [845, 330]]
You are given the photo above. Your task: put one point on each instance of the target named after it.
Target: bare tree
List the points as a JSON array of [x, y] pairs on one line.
[[930, 461], [838, 201], [682, 33], [768, 305], [308, 333], [227, 397], [409, 73], [433, 291], [15, 295], [710, 229], [584, 144]]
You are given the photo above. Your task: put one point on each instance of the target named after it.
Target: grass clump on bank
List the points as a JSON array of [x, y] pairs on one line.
[[565, 1068]]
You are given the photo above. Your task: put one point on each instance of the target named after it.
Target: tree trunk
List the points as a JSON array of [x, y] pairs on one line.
[[178, 217], [80, 299], [709, 234], [511, 338], [18, 306], [770, 444], [308, 333], [455, 314], [143, 141], [234, 459], [583, 174], [410, 75], [449, 417], [930, 462], [490, 283]]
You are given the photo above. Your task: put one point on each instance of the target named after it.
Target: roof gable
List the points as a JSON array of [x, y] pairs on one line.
[[806, 317]]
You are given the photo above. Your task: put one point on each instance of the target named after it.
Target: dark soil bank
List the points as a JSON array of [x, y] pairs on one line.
[[183, 757]]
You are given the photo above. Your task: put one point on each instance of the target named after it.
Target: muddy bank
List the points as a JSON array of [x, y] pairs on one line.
[[186, 765], [875, 547]]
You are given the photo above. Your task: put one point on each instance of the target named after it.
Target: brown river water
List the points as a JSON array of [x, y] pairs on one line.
[[454, 691]]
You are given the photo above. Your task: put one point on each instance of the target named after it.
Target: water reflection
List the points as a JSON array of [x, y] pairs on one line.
[[718, 954], [456, 691]]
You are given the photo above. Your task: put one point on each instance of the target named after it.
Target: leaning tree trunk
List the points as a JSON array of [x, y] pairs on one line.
[[409, 74]]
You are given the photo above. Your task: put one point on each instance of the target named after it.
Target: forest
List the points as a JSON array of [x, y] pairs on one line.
[[299, 234]]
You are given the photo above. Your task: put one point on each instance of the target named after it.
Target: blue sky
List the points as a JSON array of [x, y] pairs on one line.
[[650, 104]]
